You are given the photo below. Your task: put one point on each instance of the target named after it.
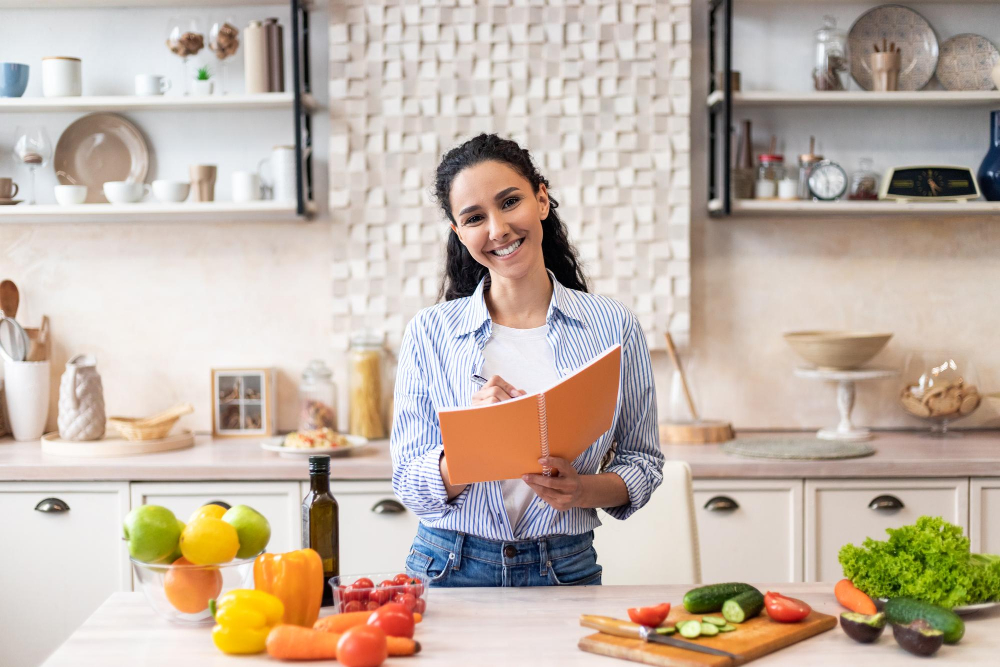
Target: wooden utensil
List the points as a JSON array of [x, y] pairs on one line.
[[9, 298], [698, 431], [40, 346]]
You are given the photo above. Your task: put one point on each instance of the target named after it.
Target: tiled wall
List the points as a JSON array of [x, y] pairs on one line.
[[599, 91]]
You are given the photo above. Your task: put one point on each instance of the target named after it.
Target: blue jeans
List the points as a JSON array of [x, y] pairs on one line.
[[448, 558]]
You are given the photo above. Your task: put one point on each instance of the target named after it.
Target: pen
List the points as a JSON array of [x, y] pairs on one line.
[[479, 378]]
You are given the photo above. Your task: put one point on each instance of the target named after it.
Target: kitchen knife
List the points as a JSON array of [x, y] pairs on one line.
[[613, 626]]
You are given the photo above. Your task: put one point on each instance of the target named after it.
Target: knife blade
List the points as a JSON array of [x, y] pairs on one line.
[[619, 628]]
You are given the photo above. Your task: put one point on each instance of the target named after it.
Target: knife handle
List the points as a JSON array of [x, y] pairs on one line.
[[611, 626]]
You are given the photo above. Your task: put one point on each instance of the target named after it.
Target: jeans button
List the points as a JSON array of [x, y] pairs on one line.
[[510, 551]]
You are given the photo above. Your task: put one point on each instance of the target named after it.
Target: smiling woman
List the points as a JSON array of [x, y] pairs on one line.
[[516, 310]]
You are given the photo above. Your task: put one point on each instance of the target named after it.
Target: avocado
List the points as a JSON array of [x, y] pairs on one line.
[[863, 628], [918, 637]]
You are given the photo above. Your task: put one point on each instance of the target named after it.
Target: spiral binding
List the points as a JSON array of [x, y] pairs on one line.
[[543, 432]]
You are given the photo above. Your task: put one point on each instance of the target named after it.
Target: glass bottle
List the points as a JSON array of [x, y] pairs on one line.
[[806, 162], [321, 522], [771, 169], [864, 181], [317, 398], [366, 398], [744, 175], [830, 71]]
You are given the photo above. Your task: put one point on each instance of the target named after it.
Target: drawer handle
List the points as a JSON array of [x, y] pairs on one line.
[[221, 503], [886, 503], [721, 504], [388, 506], [52, 505]]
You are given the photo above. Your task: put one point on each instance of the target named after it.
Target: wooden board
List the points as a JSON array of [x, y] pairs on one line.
[[53, 445], [753, 639]]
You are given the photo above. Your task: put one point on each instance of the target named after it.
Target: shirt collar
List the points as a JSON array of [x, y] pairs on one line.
[[476, 314]]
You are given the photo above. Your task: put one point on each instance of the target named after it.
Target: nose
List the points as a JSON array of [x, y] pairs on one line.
[[498, 228]]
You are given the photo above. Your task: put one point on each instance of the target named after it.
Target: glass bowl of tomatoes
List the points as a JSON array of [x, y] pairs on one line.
[[368, 592]]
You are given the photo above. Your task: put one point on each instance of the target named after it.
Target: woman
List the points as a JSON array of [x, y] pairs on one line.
[[516, 311]]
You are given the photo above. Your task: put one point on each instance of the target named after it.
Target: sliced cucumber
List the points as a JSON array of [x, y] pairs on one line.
[[669, 630], [709, 630], [690, 629], [714, 620], [743, 607], [728, 627]]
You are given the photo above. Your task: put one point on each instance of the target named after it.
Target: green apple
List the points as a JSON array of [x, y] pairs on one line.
[[252, 529], [152, 533], [176, 553]]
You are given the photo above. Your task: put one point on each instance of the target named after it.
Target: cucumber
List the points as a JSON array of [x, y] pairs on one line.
[[743, 607], [708, 599], [666, 630], [902, 611], [728, 627], [709, 630], [714, 620], [690, 629]]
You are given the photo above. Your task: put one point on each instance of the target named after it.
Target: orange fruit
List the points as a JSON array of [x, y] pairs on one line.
[[190, 588]]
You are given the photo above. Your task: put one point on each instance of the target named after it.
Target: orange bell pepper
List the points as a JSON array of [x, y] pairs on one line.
[[295, 578]]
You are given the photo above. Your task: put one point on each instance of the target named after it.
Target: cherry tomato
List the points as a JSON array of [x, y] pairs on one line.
[[401, 579], [784, 609], [421, 606], [407, 600], [362, 646], [414, 587], [359, 590], [380, 595], [395, 619], [363, 582], [650, 616], [373, 604], [352, 605]]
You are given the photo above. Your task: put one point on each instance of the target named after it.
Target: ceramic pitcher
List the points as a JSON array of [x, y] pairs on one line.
[[81, 400]]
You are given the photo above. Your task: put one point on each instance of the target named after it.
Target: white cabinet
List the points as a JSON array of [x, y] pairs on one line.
[[376, 531], [842, 511], [62, 556], [279, 502], [984, 515], [749, 530]]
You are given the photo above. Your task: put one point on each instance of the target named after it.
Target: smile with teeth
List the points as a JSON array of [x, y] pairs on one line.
[[508, 249]]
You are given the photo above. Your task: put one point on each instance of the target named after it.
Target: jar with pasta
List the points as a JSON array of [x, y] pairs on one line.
[[317, 398], [365, 361]]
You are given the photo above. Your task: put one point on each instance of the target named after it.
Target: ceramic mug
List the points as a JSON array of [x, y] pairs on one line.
[[171, 191], [61, 77], [8, 188], [147, 85], [203, 181], [26, 392], [125, 192], [246, 186], [71, 195], [13, 79]]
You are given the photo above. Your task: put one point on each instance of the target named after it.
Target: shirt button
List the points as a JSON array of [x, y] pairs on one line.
[[510, 551]]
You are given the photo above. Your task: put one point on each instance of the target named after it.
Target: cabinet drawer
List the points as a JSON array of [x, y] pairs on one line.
[[842, 511], [375, 536], [749, 530], [984, 515], [59, 566]]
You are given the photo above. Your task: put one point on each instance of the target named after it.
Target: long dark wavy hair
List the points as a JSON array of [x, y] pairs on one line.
[[463, 273]]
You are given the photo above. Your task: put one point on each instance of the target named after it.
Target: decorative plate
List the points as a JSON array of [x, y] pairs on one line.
[[354, 442], [913, 36], [796, 448], [966, 63], [99, 148]]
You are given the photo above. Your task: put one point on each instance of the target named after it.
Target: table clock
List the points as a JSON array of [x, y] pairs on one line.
[[929, 184]]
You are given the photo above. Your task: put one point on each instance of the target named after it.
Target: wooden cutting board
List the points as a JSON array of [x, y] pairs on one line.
[[758, 636]]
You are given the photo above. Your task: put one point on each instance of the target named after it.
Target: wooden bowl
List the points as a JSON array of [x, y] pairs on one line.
[[837, 350]]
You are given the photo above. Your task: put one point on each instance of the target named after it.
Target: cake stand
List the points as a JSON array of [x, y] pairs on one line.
[[845, 380]]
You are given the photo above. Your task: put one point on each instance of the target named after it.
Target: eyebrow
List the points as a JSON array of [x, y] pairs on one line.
[[500, 195]]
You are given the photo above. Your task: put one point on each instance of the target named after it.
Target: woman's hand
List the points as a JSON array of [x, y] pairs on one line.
[[496, 390], [563, 489]]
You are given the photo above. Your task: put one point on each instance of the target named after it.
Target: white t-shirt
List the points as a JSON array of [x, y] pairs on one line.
[[525, 359]]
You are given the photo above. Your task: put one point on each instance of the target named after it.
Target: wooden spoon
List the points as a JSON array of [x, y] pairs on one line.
[[9, 298]]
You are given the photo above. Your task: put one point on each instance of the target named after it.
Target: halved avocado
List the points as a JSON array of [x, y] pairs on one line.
[[863, 628], [918, 637]]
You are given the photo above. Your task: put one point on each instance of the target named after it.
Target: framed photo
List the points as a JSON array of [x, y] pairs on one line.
[[243, 402]]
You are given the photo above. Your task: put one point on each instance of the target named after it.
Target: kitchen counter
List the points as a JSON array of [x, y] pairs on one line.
[[897, 454], [496, 626]]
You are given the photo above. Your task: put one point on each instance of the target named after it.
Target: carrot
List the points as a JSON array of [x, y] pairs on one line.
[[402, 646], [293, 642], [417, 617], [852, 598], [340, 622]]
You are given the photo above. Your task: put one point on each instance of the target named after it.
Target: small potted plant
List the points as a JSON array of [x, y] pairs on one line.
[[202, 84]]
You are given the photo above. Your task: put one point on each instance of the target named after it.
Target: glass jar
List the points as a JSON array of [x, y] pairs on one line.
[[317, 398], [830, 70], [365, 361], [864, 182], [940, 388], [771, 169], [806, 162]]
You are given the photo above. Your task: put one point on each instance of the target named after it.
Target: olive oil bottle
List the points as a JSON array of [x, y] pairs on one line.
[[321, 522]]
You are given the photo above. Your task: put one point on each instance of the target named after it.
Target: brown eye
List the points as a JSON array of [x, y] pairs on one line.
[[510, 202]]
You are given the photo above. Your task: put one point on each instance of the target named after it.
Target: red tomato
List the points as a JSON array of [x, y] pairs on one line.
[[363, 582], [380, 596], [421, 606], [395, 619], [362, 646], [352, 605], [650, 616], [785, 610], [414, 587], [401, 579], [359, 590], [373, 604], [406, 600]]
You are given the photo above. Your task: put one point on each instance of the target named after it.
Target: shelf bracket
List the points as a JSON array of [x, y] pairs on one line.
[[301, 88], [720, 109]]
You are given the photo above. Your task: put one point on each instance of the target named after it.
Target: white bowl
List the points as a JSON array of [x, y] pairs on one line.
[[71, 195], [125, 192], [171, 191]]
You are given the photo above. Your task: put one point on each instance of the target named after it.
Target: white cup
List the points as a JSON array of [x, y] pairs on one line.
[[26, 391], [125, 192], [71, 195], [147, 85], [171, 191], [246, 186], [282, 167], [61, 77]]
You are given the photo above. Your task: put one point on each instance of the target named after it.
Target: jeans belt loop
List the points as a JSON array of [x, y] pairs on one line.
[[457, 553], [543, 556]]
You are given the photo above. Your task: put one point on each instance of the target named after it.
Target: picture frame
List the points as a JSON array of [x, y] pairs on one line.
[[243, 402]]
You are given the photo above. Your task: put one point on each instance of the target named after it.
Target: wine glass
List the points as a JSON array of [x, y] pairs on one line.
[[185, 39], [34, 150], [224, 42]]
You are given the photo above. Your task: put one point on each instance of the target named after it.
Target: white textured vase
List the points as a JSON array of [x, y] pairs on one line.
[[81, 400]]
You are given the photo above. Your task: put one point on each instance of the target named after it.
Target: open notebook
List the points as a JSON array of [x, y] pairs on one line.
[[505, 440]]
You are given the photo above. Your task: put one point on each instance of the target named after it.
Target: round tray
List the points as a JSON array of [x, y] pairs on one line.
[[53, 445], [354, 442], [797, 448]]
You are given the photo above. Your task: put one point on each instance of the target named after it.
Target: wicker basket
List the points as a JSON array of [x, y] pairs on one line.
[[150, 428]]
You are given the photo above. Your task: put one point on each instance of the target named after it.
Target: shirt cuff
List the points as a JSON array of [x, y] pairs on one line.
[[429, 470], [638, 490]]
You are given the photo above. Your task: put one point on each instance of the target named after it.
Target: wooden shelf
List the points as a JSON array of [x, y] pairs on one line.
[[754, 207], [773, 98], [154, 103], [140, 4], [269, 211]]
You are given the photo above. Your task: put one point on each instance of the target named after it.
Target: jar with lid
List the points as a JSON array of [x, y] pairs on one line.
[[365, 360], [806, 162], [771, 169], [317, 398], [830, 70], [864, 181]]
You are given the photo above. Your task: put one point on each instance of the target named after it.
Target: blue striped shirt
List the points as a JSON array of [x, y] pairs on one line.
[[443, 347]]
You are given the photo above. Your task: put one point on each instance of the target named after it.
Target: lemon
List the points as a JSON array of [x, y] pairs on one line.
[[214, 511], [209, 541]]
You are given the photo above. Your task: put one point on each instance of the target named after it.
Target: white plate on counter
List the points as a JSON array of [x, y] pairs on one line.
[[354, 442]]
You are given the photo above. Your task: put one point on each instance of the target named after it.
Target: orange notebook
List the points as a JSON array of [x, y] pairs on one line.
[[505, 440]]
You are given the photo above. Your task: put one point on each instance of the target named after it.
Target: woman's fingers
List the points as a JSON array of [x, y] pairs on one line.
[[497, 381], [496, 390]]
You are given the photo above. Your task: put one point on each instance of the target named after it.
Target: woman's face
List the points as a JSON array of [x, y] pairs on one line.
[[498, 218]]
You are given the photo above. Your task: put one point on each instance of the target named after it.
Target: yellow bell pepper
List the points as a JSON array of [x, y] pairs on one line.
[[296, 578], [243, 620]]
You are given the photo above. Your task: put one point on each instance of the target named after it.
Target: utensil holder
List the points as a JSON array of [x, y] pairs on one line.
[[885, 71], [26, 394]]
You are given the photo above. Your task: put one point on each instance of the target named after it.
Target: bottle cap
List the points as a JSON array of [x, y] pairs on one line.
[[319, 464]]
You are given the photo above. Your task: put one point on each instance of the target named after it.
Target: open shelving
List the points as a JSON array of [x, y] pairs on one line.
[[154, 212], [775, 98], [258, 101], [802, 208]]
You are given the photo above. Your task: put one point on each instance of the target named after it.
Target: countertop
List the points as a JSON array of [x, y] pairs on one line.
[[897, 454], [498, 626]]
